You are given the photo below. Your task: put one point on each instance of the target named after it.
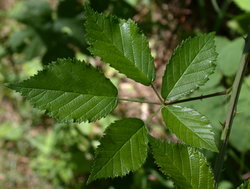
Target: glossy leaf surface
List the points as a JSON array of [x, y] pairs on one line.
[[189, 126], [189, 67], [121, 44], [123, 149], [70, 90], [185, 165]]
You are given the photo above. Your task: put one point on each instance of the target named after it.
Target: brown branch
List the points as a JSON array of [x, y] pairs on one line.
[[227, 91]]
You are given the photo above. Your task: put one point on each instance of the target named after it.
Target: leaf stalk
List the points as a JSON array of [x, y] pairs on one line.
[[157, 94], [166, 103], [139, 101], [225, 92]]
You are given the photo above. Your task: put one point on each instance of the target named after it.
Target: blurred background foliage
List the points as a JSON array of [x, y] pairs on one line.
[[38, 152]]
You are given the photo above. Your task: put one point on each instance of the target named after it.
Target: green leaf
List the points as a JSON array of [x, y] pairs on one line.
[[9, 131], [122, 149], [239, 23], [120, 43], [243, 4], [189, 126], [70, 90], [229, 55], [185, 165], [35, 13], [208, 106], [189, 67], [245, 185], [240, 137]]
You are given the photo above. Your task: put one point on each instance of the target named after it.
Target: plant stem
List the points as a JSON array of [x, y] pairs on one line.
[[178, 101], [231, 111], [216, 6], [227, 91], [157, 94], [139, 101], [221, 12]]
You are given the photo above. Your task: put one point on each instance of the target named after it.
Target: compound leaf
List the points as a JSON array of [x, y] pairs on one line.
[[122, 149], [185, 165], [120, 43], [70, 90], [189, 126], [189, 67]]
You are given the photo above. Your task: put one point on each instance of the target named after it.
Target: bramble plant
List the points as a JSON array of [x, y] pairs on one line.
[[74, 91]]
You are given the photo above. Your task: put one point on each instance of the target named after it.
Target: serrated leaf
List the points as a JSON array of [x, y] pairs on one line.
[[120, 43], [189, 126], [185, 165], [123, 149], [70, 90], [189, 67]]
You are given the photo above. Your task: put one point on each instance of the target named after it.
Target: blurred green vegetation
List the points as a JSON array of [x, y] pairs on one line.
[[38, 152]]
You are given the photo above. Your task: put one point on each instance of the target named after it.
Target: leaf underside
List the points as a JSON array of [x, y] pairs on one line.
[[70, 90], [185, 165], [123, 149], [189, 67], [121, 44], [189, 126]]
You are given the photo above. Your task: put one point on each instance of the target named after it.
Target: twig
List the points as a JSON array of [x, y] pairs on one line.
[[178, 101], [139, 101], [157, 94], [231, 111], [216, 6], [221, 12], [227, 91]]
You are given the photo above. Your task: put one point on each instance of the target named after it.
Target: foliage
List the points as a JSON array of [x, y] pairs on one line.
[[245, 185], [240, 138], [75, 90], [79, 100], [229, 55], [119, 43], [185, 165], [243, 4], [189, 68], [189, 126], [66, 164], [44, 35], [124, 147]]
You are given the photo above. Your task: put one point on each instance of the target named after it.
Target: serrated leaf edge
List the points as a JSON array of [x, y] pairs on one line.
[[210, 129], [120, 21], [209, 74], [49, 66], [187, 146], [96, 154]]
